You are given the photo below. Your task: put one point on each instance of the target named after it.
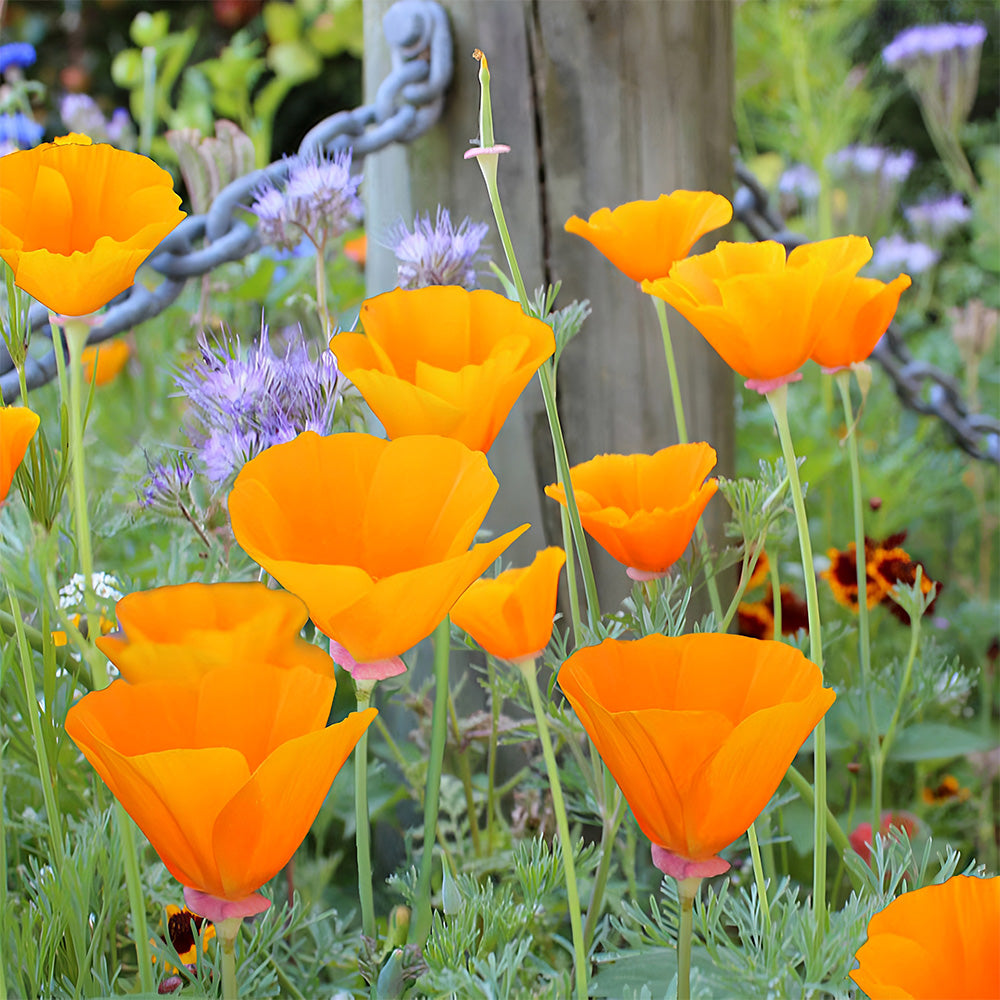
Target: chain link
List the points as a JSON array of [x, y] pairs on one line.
[[920, 385], [407, 103]]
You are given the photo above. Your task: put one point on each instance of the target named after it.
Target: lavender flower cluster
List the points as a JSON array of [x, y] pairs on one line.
[[319, 201], [934, 221], [241, 405], [438, 253], [80, 113], [872, 161], [924, 40]]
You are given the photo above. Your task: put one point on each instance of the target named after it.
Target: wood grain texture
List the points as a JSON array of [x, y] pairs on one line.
[[602, 102]]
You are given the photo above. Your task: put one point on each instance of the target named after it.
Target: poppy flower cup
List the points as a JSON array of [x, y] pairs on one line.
[[939, 941], [697, 731], [511, 615], [78, 218], [372, 535], [761, 312], [443, 360], [643, 239], [643, 509], [224, 775], [179, 633], [17, 427]]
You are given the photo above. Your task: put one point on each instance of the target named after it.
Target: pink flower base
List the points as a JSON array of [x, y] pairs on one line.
[[486, 151], [766, 385], [683, 868], [643, 575], [215, 909], [367, 670]]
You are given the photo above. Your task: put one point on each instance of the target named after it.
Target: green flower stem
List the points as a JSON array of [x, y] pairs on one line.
[[758, 876], [778, 399], [886, 746], [843, 380], [3, 881], [321, 300], [466, 775], [363, 690], [491, 754], [746, 571], [45, 776], [572, 587], [36, 641], [609, 833], [421, 925], [688, 890], [228, 930], [682, 436], [801, 784], [527, 668], [133, 885], [775, 596]]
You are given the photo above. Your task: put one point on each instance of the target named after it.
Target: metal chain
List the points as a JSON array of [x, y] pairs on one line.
[[407, 103], [920, 385]]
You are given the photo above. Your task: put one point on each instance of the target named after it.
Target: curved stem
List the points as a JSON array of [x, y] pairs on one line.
[[778, 400], [133, 885], [362, 821], [609, 833], [758, 875], [911, 655], [527, 668], [420, 927]]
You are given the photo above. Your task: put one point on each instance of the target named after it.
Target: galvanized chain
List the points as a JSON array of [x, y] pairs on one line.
[[920, 385], [407, 103]]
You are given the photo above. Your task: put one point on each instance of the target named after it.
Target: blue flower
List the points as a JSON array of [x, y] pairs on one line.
[[20, 130], [923, 40], [438, 253], [16, 55]]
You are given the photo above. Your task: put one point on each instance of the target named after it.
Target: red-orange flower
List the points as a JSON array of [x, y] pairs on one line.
[[17, 427], [762, 313], [102, 362], [511, 616], [77, 219], [644, 239], [443, 360], [373, 535], [698, 731], [643, 508], [935, 942], [223, 774], [179, 633]]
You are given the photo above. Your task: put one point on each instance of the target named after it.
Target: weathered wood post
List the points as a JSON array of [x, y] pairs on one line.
[[602, 102]]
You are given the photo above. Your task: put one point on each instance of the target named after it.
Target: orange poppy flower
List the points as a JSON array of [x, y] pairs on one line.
[[443, 360], [102, 362], [939, 941], [224, 774], [762, 313], [181, 632], [698, 731], [373, 535], [17, 427], [77, 219], [511, 615], [357, 249], [644, 239], [643, 508]]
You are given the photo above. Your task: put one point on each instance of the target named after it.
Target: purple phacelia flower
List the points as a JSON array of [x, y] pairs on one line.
[[438, 253], [20, 131], [800, 181], [167, 487], [929, 40], [16, 55], [934, 221], [319, 200], [872, 161], [80, 113], [895, 254], [242, 404]]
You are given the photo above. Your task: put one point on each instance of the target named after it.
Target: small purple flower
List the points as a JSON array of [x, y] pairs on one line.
[[934, 221], [319, 200], [20, 131], [438, 253], [166, 488], [928, 40], [243, 404], [80, 113], [16, 55], [873, 160], [895, 254], [800, 181]]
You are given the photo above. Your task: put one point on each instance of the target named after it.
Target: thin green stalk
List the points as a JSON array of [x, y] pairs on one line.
[[421, 925], [527, 668], [682, 436], [491, 753], [362, 821], [772, 568], [133, 885], [572, 587], [778, 400], [758, 875], [843, 380], [688, 889], [911, 656], [45, 776], [609, 833], [801, 784], [3, 878], [321, 300], [746, 571], [227, 931]]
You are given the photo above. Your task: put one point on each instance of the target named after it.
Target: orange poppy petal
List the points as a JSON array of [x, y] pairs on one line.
[[18, 425]]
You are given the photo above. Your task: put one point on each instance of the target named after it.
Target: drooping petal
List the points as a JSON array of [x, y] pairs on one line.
[[17, 427]]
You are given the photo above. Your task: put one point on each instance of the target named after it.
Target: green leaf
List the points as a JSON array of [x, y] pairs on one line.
[[294, 61], [938, 741], [283, 22], [628, 973]]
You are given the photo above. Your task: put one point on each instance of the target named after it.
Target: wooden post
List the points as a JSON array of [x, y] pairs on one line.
[[602, 102]]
